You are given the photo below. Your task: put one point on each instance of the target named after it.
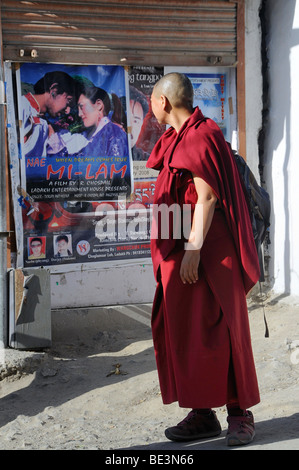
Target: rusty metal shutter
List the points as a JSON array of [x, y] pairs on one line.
[[134, 32]]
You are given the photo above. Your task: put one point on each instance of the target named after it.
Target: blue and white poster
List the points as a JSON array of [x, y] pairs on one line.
[[210, 95], [215, 95]]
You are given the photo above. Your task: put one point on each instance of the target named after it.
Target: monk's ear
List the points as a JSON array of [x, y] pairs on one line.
[[164, 101]]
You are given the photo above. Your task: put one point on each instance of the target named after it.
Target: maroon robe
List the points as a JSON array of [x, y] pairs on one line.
[[201, 331]]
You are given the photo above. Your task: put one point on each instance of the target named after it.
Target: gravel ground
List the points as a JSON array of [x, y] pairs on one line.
[[98, 390]]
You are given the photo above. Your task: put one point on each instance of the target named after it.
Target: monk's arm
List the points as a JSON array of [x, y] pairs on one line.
[[201, 223]]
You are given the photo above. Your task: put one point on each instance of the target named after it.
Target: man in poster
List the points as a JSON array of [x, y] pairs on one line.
[[53, 94], [36, 248]]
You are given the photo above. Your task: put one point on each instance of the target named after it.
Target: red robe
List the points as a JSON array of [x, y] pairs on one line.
[[201, 331]]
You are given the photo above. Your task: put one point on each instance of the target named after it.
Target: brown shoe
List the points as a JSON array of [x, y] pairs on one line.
[[195, 426], [240, 429]]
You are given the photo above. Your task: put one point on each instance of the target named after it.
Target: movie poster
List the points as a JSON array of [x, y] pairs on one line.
[[74, 138], [77, 189]]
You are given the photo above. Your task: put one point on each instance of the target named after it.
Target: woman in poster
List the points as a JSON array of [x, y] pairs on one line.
[[102, 136]]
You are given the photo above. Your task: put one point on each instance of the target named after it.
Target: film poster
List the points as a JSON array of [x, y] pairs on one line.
[[77, 183]]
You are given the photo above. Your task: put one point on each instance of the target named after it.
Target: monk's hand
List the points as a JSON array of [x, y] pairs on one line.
[[189, 266]]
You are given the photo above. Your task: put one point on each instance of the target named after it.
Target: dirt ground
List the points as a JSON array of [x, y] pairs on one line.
[[79, 397]]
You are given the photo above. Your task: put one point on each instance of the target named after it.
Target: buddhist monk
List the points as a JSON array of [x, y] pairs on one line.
[[200, 319]]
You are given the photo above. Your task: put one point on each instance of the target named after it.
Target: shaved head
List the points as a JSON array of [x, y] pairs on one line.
[[177, 88]]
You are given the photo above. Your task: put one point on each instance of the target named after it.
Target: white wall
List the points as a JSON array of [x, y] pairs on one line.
[[87, 286], [282, 143]]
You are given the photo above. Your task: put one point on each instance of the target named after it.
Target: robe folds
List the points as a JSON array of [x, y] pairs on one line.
[[201, 331]]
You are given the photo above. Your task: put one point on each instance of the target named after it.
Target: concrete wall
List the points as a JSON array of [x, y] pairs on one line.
[[282, 143]]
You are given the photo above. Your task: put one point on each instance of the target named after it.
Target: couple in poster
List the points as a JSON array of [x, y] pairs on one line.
[[67, 122]]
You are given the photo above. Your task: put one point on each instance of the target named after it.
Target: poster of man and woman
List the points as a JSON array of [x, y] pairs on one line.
[[86, 133]]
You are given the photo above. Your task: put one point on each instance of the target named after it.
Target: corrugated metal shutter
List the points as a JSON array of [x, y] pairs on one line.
[[149, 32]]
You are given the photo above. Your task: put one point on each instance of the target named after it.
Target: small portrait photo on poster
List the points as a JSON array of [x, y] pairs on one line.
[[62, 245], [36, 247]]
